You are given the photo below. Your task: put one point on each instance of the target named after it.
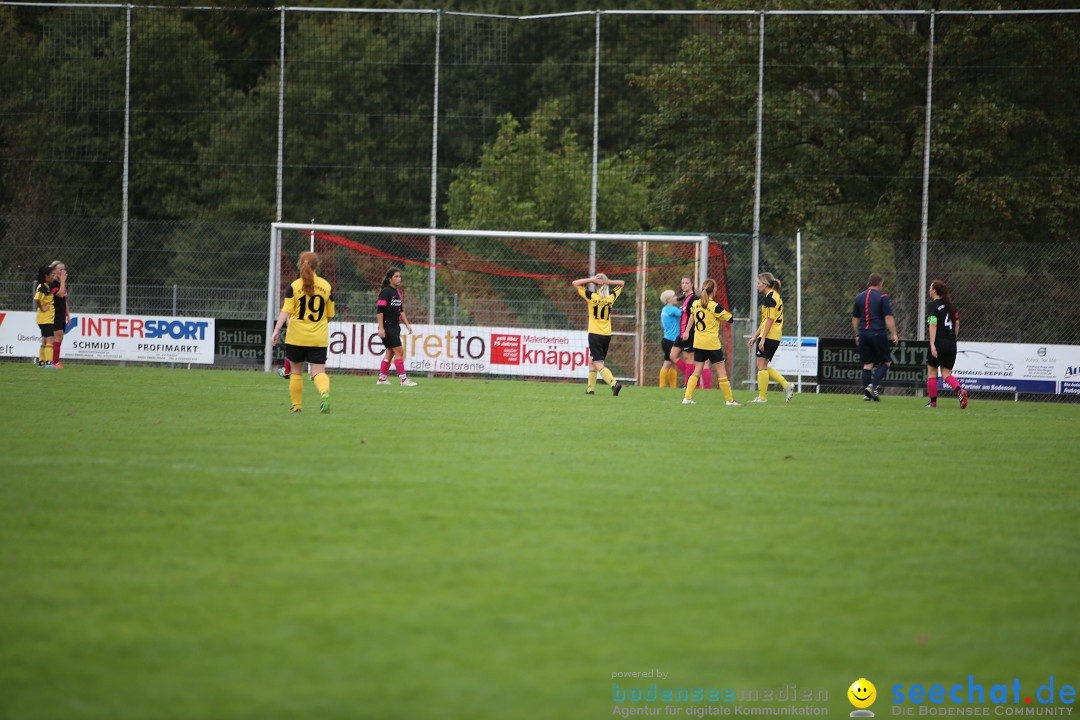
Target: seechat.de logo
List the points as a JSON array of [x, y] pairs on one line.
[[862, 695]]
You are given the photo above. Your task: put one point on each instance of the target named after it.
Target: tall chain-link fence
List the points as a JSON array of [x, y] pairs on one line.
[[150, 147]]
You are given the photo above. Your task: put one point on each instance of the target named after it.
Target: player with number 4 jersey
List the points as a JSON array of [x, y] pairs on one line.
[[307, 307], [944, 324], [600, 302]]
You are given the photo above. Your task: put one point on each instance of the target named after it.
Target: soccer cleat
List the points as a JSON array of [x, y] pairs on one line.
[[281, 372], [873, 393], [688, 401], [325, 407], [295, 410], [407, 383], [734, 403], [58, 365], [931, 404], [590, 392], [616, 388], [963, 398], [868, 392], [382, 381], [759, 400], [867, 398], [47, 366], [789, 391]]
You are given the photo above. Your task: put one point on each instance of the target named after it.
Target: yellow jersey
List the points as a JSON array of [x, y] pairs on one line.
[[707, 321], [772, 307], [308, 315], [46, 314], [600, 308]]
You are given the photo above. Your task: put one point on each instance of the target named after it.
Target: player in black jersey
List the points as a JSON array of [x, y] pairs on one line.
[[62, 311], [944, 325], [390, 314]]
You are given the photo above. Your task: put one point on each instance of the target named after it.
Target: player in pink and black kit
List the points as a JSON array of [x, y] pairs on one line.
[[682, 354], [944, 324], [391, 314]]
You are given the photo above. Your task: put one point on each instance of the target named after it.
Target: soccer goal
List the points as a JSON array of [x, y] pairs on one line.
[[489, 302]]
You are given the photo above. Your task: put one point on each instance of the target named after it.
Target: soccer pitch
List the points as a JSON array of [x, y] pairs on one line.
[[176, 544]]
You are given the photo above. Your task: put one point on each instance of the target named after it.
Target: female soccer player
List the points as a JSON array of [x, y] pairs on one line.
[[683, 352], [670, 321], [768, 336], [600, 301], [706, 315], [46, 314], [944, 327], [308, 307], [62, 311], [390, 313]]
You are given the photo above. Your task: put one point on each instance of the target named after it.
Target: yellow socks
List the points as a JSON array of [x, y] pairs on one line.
[[663, 377], [725, 387], [690, 385], [762, 383], [777, 378], [673, 377], [322, 381], [296, 389], [608, 377], [592, 380]]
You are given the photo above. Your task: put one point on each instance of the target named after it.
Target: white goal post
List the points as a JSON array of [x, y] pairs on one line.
[[510, 284]]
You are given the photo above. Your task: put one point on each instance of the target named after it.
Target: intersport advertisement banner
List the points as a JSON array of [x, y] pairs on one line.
[[465, 349], [140, 338]]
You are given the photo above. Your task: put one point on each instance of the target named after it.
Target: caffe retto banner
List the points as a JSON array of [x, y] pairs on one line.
[[465, 349]]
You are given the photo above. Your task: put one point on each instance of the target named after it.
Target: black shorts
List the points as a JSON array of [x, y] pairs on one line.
[[46, 330], [946, 355], [713, 356], [770, 349], [598, 346], [687, 345], [393, 337], [874, 348], [59, 325], [303, 353], [667, 345]]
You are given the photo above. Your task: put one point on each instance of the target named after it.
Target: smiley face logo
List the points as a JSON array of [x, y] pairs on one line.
[[862, 693]]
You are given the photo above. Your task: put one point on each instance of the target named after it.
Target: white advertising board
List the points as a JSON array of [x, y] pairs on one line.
[[141, 338], [1018, 367], [792, 360], [465, 349]]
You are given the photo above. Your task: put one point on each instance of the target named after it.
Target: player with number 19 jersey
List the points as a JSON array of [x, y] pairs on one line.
[[309, 315]]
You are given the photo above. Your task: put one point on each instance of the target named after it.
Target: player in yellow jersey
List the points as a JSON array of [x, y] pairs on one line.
[[767, 338], [46, 315], [706, 315], [308, 307], [600, 301]]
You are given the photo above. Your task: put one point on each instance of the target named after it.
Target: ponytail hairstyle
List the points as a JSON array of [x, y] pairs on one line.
[[602, 290], [42, 273], [942, 290], [389, 274], [309, 263], [770, 280], [708, 290]]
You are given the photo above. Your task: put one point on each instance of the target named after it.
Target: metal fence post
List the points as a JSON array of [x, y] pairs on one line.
[[924, 235]]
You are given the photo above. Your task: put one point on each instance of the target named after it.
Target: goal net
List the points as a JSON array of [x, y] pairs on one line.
[[494, 303]]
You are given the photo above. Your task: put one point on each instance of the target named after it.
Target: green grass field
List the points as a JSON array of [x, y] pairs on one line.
[[176, 544]]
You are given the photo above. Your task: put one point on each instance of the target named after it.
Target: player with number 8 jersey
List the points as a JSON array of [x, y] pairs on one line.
[[308, 307]]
